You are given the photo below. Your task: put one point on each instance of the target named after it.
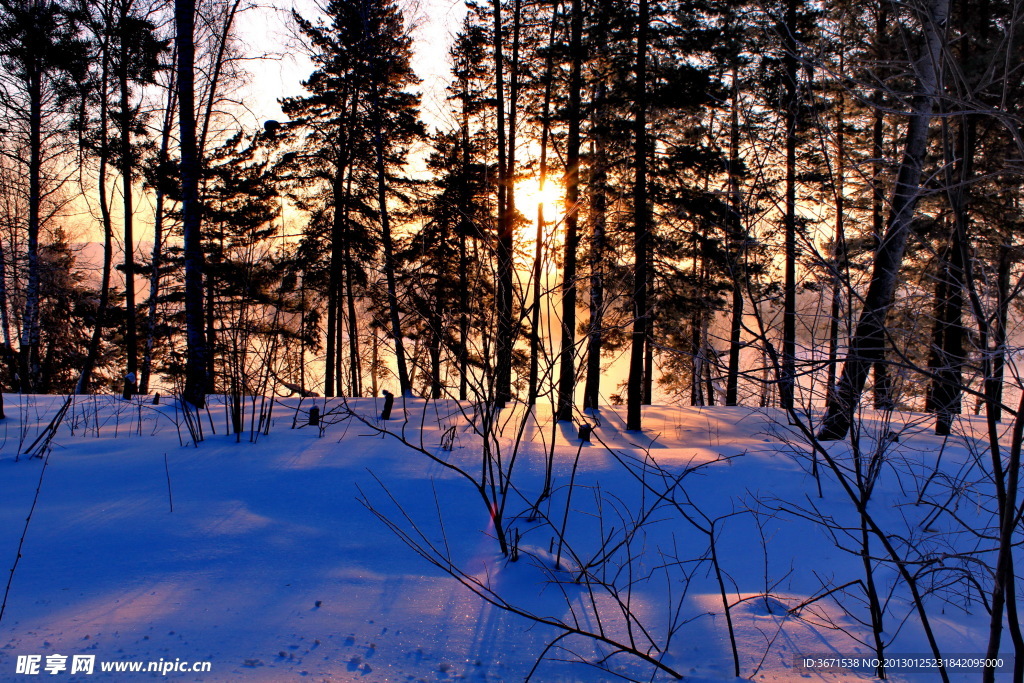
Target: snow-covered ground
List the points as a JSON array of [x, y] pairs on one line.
[[275, 564]]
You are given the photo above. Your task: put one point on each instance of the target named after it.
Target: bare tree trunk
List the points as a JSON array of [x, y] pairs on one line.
[[882, 389], [434, 342], [947, 388], [839, 264], [7, 350], [648, 383], [538, 256], [567, 366], [598, 247], [995, 368], [867, 344], [641, 227], [503, 379], [737, 241], [465, 198], [30, 333], [209, 106], [355, 361], [787, 383], [333, 349], [92, 355], [389, 260], [131, 340], [158, 238], [946, 391], [210, 294], [196, 351]]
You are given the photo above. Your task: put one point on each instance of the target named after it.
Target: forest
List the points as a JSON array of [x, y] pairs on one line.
[[792, 204]]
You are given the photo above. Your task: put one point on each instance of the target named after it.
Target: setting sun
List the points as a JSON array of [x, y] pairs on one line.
[[529, 194]]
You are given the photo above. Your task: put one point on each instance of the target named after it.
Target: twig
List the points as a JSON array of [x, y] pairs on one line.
[[24, 532], [167, 470]]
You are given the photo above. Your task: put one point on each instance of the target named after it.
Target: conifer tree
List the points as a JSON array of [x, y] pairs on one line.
[[353, 132], [42, 57]]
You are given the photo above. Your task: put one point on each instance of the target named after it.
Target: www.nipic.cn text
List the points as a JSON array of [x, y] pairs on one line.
[[31, 665]]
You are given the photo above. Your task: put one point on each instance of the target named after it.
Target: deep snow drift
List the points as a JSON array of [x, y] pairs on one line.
[[275, 564]]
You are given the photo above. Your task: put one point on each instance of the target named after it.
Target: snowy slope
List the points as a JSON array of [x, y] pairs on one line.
[[271, 569]]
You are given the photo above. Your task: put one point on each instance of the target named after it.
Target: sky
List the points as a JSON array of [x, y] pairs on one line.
[[277, 68], [280, 74]]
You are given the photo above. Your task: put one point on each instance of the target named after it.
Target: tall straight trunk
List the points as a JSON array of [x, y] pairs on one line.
[[29, 351], [330, 350], [405, 388], [209, 106], [507, 247], [92, 355], [948, 385], [8, 358], [939, 297], [131, 340], [882, 388], [787, 384], [341, 190], [648, 382], [374, 362], [463, 348], [996, 368], [503, 370], [839, 245], [158, 238], [210, 294], [696, 364], [567, 365], [354, 360], [339, 361], [705, 351], [641, 227], [538, 256], [709, 366], [868, 342], [333, 350], [598, 248], [5, 315], [434, 341], [512, 115], [465, 226], [196, 350], [737, 242]]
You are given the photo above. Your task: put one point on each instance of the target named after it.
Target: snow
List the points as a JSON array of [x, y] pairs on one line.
[[275, 565]]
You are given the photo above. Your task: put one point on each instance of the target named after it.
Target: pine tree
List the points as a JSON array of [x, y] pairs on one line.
[[42, 58], [355, 129], [436, 272], [67, 311]]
